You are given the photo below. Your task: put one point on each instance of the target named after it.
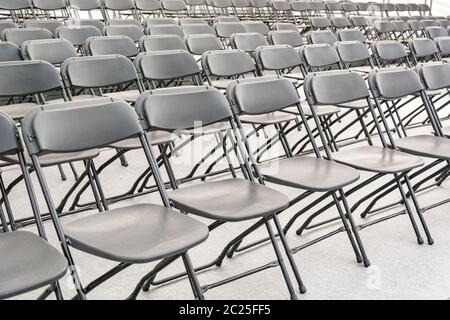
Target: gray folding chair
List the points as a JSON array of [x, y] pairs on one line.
[[161, 43], [148, 232], [29, 262], [174, 8], [131, 31], [351, 35], [9, 52], [88, 6], [248, 42], [443, 45], [189, 29], [286, 37], [423, 49], [100, 76], [50, 25], [205, 106], [148, 8], [190, 20], [344, 87], [435, 32], [159, 20], [355, 55], [199, 43], [256, 26], [118, 9], [318, 23], [384, 30], [444, 23], [17, 36], [319, 57], [100, 25], [77, 35], [165, 29], [51, 9], [19, 10], [285, 26], [225, 29], [123, 22], [389, 52], [54, 51], [340, 23], [121, 45], [322, 37]]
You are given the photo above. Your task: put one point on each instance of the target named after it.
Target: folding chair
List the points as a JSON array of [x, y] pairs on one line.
[[285, 26], [434, 32], [401, 29], [123, 45], [109, 75], [206, 106], [100, 25], [17, 36], [197, 44], [318, 57], [320, 23], [19, 10], [124, 22], [148, 232], [322, 37], [428, 23], [247, 42], [29, 262], [423, 49], [161, 43], [286, 37], [77, 35], [159, 20], [384, 30], [349, 8], [189, 29], [6, 25], [51, 9], [351, 35], [190, 20], [9, 52], [131, 31], [174, 8], [256, 26], [88, 6], [389, 52], [165, 29], [148, 8], [354, 54], [198, 9], [54, 51], [242, 8], [333, 7], [116, 9], [342, 87], [443, 45], [50, 25], [416, 28], [340, 23], [224, 30]]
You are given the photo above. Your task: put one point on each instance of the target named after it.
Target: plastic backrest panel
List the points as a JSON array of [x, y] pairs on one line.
[[18, 36], [53, 130], [394, 83], [335, 87], [260, 95], [390, 50], [340, 22], [318, 37], [54, 51], [9, 52], [165, 29], [182, 107], [197, 29], [119, 4], [98, 71], [278, 57], [287, 37], [27, 77], [159, 21], [320, 55], [15, 4], [423, 47], [443, 45], [435, 76], [320, 22], [8, 135], [164, 65], [227, 63], [435, 32], [351, 35], [77, 35], [49, 4], [198, 44], [258, 27], [50, 25], [173, 5], [352, 51], [148, 5], [359, 21], [226, 29], [85, 4], [162, 43], [285, 26], [112, 45], [133, 32], [248, 41]]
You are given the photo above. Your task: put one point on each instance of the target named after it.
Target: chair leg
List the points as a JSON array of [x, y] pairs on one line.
[[294, 267], [287, 279], [198, 292], [61, 172], [349, 216]]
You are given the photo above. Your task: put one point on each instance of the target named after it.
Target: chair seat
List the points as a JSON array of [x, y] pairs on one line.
[[28, 262], [229, 200], [155, 138], [128, 96], [210, 129], [52, 159], [357, 104], [378, 159], [136, 234], [268, 118], [18, 110], [425, 146], [309, 173], [321, 110]]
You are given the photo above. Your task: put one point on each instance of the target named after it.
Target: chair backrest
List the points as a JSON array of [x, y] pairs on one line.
[[15, 4], [340, 22], [161, 43], [133, 32], [8, 135], [162, 29], [349, 7], [317, 5], [6, 25], [443, 45], [97, 71], [122, 45], [123, 22], [359, 21], [423, 47], [49, 4], [434, 75], [287, 37], [285, 26], [152, 21], [85, 4], [248, 41], [400, 26], [100, 25], [173, 5], [415, 25], [434, 32], [261, 95], [351, 35], [184, 107], [19, 78], [9, 52], [166, 65], [278, 57], [352, 51], [394, 83], [50, 25], [299, 6], [119, 5], [54, 51], [148, 5], [389, 50], [226, 29], [183, 21], [256, 26], [17, 36], [320, 22], [77, 35], [51, 129], [319, 55], [322, 37], [333, 6], [334, 87], [384, 26], [199, 43], [429, 23], [227, 63], [189, 29]]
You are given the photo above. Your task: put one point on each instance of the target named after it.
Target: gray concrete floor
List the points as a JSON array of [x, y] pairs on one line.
[[401, 269]]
